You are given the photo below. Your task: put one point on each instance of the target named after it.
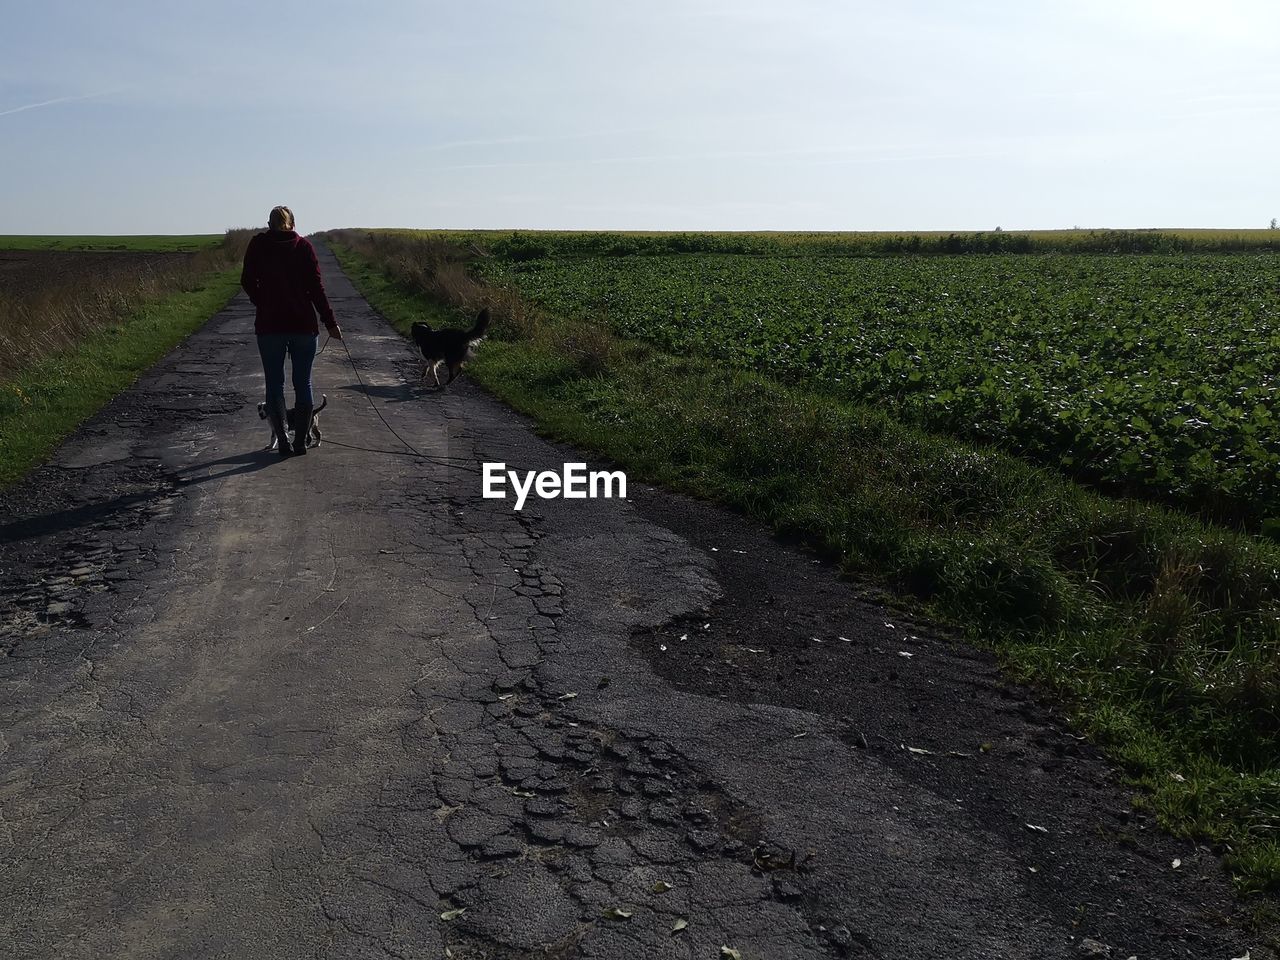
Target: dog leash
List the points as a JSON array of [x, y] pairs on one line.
[[441, 461]]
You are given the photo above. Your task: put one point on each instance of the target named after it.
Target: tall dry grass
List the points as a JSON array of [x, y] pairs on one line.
[[437, 268], [38, 319]]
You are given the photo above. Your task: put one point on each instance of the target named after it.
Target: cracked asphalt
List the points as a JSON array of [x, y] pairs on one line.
[[340, 707]]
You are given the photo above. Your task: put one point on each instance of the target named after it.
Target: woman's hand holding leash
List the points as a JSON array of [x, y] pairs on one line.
[[334, 333]]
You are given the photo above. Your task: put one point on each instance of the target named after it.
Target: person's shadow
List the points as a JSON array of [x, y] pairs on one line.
[[93, 514], [87, 515], [72, 518]]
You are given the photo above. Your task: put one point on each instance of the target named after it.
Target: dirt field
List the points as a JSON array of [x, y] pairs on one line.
[[27, 272]]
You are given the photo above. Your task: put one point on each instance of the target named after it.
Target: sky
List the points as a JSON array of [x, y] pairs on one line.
[[150, 117]]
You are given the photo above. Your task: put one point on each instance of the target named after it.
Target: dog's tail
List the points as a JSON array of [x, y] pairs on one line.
[[324, 402], [481, 325]]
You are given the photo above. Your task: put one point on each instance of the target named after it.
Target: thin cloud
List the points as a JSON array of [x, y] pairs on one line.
[[813, 156], [50, 103], [530, 139]]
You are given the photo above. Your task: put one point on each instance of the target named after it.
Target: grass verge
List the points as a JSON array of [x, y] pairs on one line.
[[1157, 632], [46, 400]]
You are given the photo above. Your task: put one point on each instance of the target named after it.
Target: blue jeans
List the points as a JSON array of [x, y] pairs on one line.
[[302, 347]]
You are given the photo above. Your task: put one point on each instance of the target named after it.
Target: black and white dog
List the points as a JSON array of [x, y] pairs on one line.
[[450, 348]]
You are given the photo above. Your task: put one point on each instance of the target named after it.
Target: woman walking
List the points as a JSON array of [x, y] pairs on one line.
[[282, 277]]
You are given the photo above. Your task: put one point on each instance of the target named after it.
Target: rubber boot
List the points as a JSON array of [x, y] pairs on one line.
[[304, 427], [276, 415]]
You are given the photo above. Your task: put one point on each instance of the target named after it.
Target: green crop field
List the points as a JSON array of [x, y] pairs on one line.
[[1148, 374]]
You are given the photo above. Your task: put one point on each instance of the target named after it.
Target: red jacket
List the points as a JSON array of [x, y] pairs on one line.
[[282, 277]]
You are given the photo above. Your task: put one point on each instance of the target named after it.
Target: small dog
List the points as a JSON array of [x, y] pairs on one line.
[[453, 348], [291, 423]]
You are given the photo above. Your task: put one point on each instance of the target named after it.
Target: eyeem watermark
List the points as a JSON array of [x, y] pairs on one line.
[[574, 483]]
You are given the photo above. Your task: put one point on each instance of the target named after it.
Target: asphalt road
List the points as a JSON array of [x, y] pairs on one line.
[[341, 706]]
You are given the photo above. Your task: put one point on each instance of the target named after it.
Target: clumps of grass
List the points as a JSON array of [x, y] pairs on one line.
[[1171, 621], [1161, 633], [588, 347], [437, 271], [38, 320]]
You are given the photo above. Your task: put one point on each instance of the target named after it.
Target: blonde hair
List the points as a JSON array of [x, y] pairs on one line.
[[281, 218]]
